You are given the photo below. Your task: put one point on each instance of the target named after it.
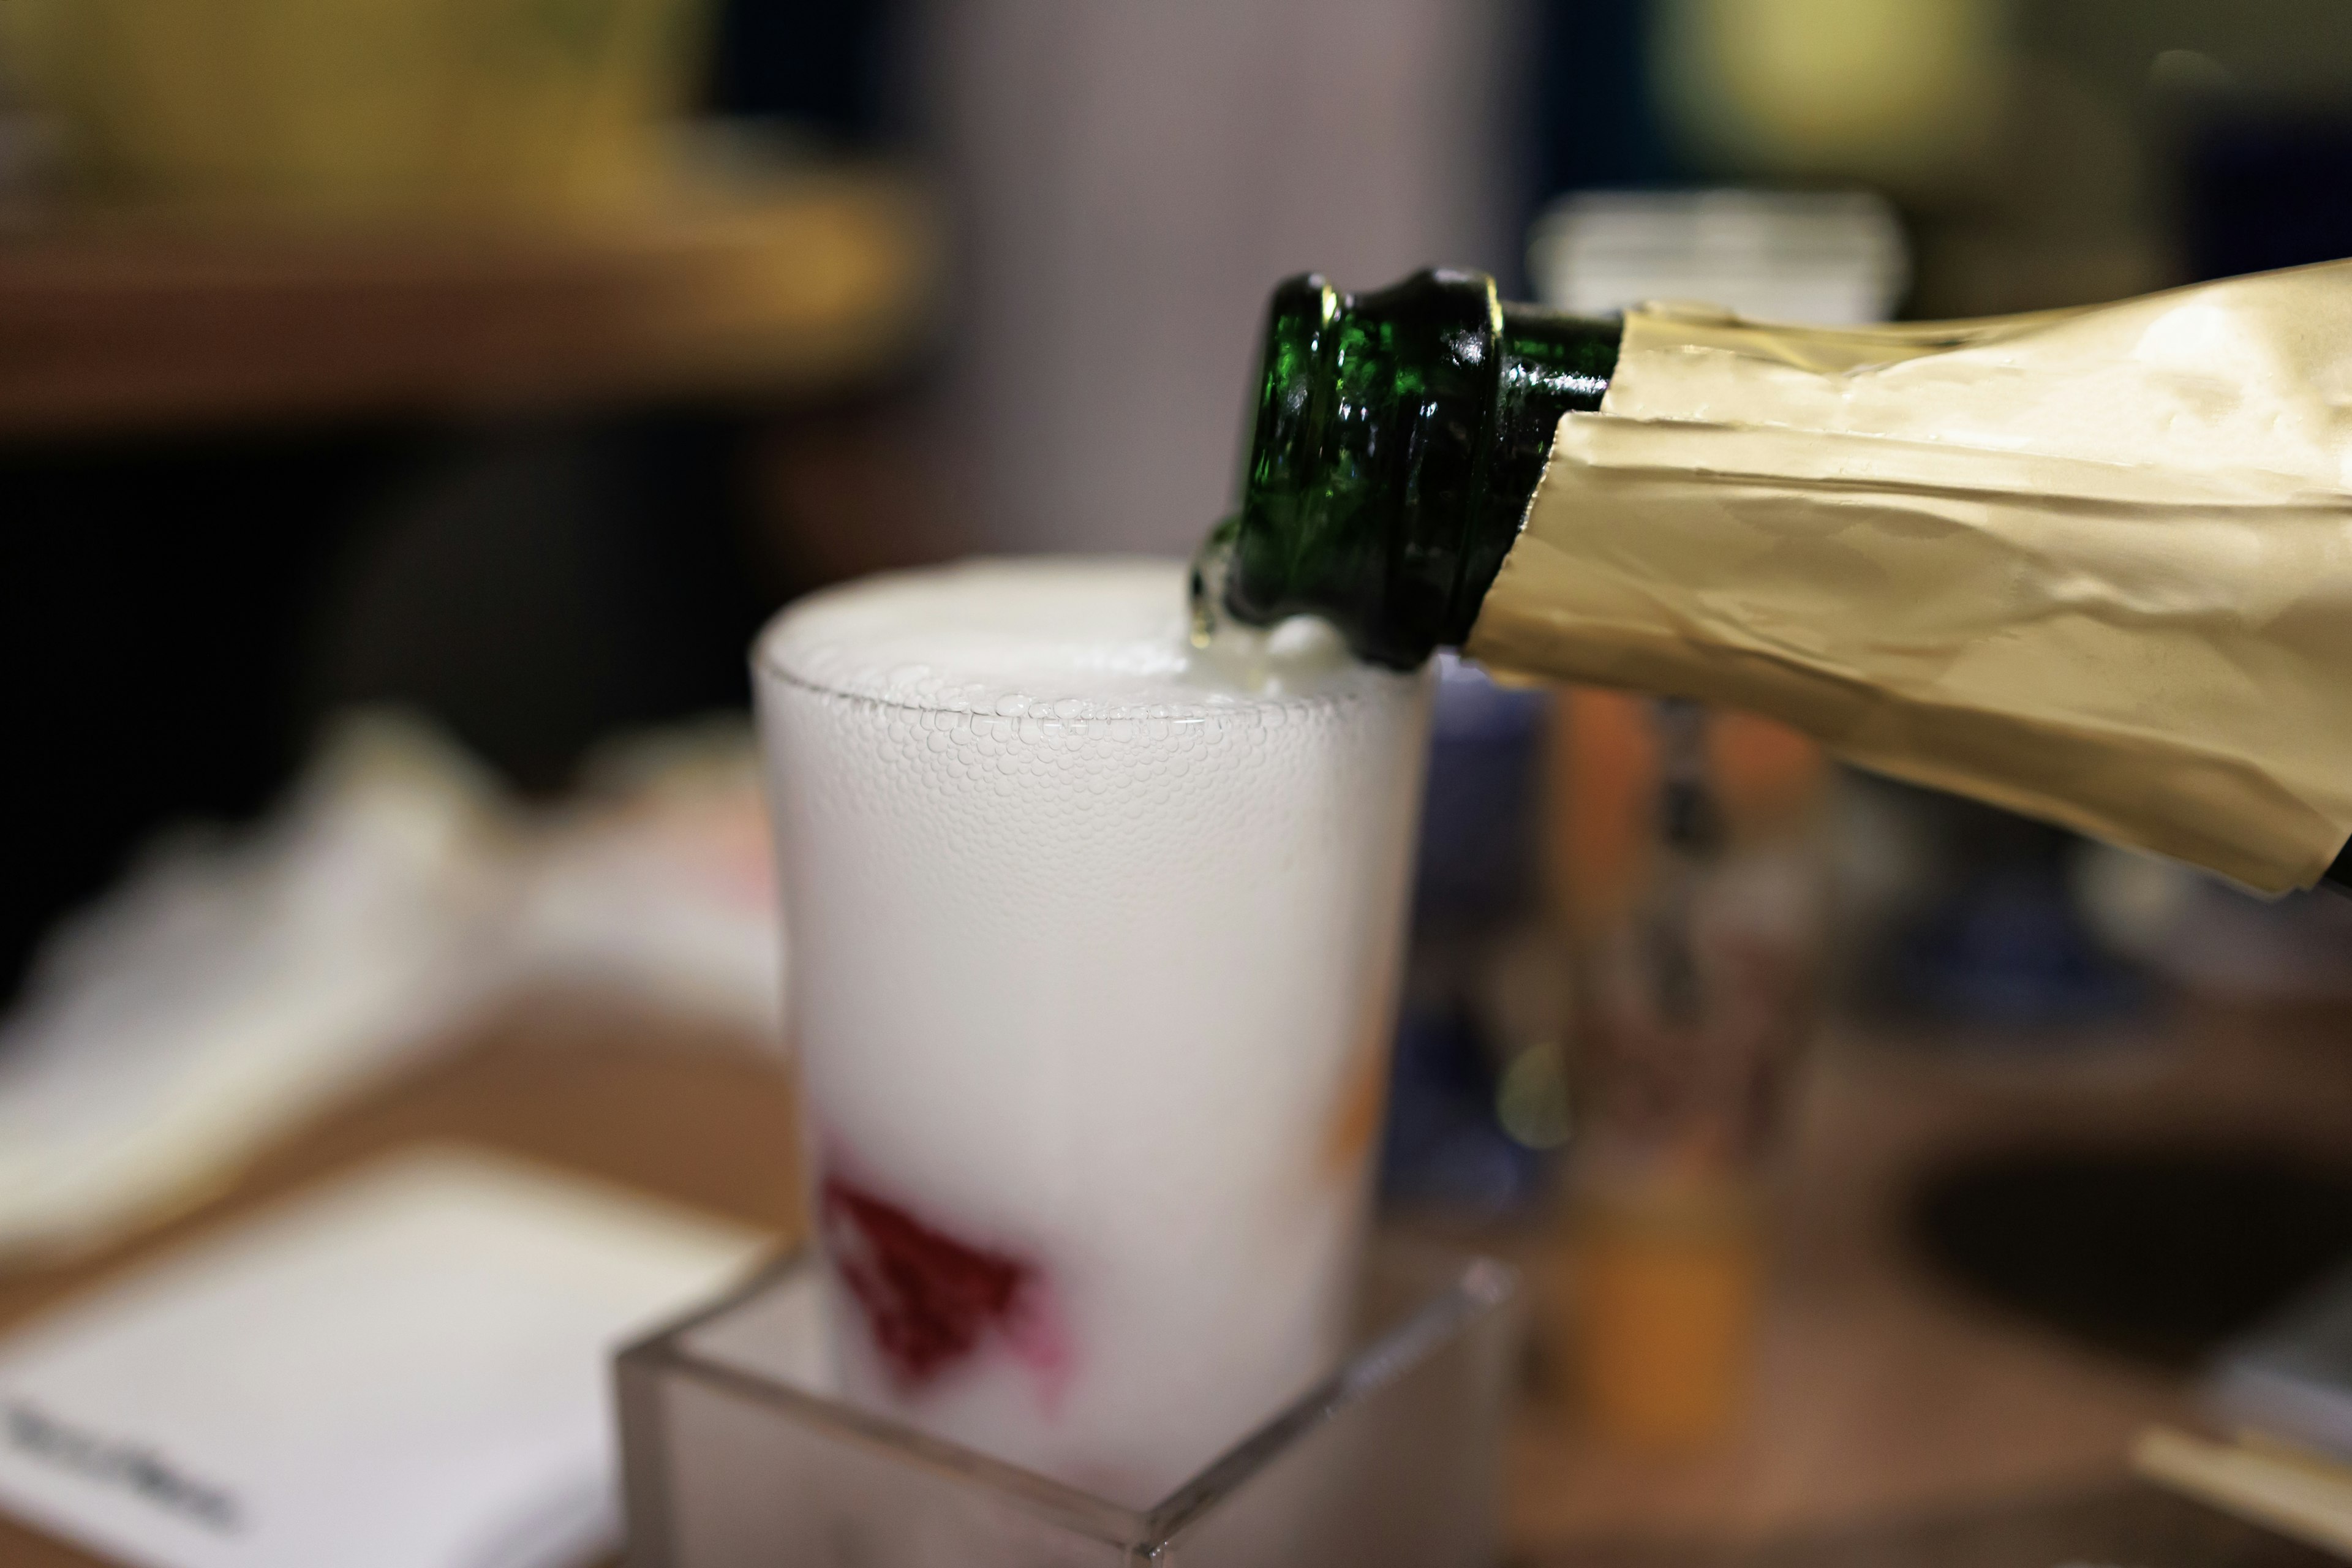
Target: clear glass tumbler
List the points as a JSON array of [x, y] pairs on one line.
[[1092, 973]]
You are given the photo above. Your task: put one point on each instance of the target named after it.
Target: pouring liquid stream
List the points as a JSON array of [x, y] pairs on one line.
[[1290, 655]]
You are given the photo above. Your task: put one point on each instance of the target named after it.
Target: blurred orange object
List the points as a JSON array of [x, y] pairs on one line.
[[1769, 780], [1686, 868], [360, 109], [1660, 1328]]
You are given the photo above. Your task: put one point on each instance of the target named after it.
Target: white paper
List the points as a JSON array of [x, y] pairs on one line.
[[409, 1368], [232, 988]]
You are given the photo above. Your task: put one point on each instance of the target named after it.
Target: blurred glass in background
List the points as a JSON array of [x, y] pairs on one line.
[[1690, 857], [1689, 852]]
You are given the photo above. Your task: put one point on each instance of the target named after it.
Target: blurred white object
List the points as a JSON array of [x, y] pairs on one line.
[[1136, 176], [407, 1370], [663, 882], [2135, 902], [2210, 939], [229, 989], [1828, 257], [2292, 1374]]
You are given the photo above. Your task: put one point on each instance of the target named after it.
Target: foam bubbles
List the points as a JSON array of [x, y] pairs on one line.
[[1055, 639]]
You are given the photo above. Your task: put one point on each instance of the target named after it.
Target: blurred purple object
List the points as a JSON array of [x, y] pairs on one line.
[[1473, 1003]]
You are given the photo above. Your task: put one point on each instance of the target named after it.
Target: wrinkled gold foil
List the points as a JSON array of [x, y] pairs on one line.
[[2094, 566]]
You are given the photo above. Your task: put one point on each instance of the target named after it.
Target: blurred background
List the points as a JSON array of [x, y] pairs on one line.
[[410, 409]]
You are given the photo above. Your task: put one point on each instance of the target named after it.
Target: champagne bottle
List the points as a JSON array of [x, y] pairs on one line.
[[1399, 436], [2084, 564]]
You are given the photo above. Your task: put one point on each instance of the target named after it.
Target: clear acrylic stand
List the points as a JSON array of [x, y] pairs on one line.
[[733, 1455]]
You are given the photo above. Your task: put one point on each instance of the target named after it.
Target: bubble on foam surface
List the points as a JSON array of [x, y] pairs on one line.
[[1061, 640]]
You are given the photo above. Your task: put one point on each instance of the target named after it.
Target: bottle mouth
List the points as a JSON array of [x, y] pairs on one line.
[[1366, 459]]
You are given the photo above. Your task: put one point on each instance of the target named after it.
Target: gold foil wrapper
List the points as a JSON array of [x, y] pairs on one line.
[[2094, 566]]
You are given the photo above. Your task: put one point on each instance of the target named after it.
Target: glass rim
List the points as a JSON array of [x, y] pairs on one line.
[[1242, 709]]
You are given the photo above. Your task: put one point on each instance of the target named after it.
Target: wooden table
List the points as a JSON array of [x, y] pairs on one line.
[[772, 282], [1886, 1402], [1895, 1422]]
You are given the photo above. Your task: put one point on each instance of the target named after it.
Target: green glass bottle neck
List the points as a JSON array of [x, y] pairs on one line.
[[1399, 436]]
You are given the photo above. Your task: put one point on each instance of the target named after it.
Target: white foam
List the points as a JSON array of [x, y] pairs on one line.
[[1094, 945], [1058, 638]]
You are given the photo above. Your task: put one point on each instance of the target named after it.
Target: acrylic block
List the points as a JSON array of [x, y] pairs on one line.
[[734, 1453]]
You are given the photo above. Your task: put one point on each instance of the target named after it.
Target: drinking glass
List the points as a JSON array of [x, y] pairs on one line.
[[1092, 961]]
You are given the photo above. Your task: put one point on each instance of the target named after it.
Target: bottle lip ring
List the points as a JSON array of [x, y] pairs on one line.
[[1320, 345]]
